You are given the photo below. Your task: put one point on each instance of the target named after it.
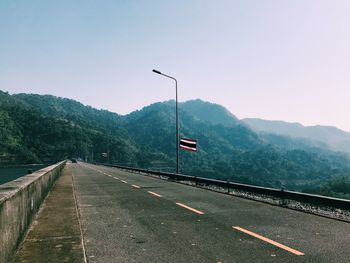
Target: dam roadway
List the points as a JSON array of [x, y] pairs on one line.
[[126, 217]]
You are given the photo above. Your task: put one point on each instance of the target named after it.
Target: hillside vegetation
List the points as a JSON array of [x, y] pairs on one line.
[[329, 136], [36, 129], [336, 187]]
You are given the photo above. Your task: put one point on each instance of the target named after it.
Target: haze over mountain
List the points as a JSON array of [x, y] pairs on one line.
[[335, 138], [36, 128], [210, 112]]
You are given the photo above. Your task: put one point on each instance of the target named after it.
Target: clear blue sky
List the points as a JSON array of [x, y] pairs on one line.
[[272, 59]]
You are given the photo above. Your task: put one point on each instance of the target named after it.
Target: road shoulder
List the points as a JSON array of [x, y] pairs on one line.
[[55, 235]]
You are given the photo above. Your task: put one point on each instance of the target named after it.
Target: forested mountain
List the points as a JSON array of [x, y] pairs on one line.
[[46, 129], [338, 186], [35, 128], [329, 136], [210, 112]]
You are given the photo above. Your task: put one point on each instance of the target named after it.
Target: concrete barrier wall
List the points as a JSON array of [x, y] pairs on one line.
[[19, 202]]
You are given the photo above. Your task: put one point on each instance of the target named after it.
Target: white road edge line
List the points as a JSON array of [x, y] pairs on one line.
[[79, 219]]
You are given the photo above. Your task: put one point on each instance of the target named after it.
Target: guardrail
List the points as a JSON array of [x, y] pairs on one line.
[[316, 204]]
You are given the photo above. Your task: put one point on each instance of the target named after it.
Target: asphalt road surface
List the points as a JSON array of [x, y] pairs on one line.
[[126, 217]]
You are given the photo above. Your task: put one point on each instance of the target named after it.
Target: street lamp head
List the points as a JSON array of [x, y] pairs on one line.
[[156, 71]]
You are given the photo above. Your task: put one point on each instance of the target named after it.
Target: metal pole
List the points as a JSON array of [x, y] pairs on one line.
[[108, 161], [177, 131], [177, 120]]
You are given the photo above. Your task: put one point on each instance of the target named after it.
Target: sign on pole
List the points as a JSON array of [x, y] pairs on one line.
[[188, 144]]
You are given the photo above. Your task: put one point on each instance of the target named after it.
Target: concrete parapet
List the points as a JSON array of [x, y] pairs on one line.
[[19, 201]]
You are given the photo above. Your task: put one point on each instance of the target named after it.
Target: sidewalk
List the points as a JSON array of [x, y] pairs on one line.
[[55, 234]]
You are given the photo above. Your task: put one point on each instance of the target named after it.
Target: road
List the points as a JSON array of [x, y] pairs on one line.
[[127, 217]]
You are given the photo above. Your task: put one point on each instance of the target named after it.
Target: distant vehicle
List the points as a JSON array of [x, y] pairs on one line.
[[74, 160]]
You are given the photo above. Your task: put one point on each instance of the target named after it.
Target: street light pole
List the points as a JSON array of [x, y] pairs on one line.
[[177, 118]]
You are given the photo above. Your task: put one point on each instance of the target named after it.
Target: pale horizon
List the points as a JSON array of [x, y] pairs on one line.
[[271, 60]]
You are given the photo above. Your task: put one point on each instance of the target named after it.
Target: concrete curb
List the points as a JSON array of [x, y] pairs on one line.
[[20, 200]]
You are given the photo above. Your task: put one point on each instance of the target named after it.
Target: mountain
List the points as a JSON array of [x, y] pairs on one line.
[[46, 129], [36, 128], [333, 137], [153, 127], [210, 112]]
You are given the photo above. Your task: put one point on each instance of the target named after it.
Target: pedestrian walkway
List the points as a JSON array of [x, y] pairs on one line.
[[55, 233]]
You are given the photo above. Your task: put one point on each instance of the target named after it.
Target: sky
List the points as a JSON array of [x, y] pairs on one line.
[[271, 59]]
